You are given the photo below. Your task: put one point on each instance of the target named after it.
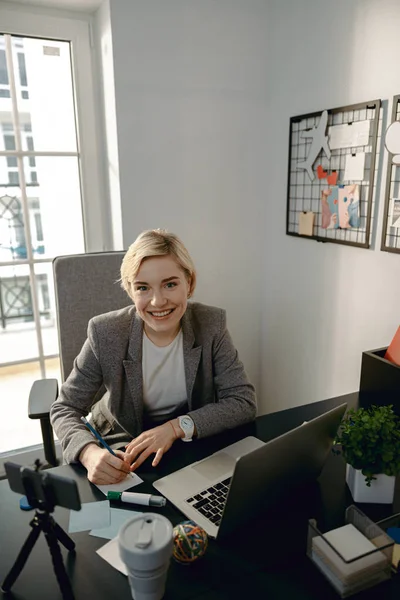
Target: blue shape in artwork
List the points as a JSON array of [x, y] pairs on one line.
[[354, 217]]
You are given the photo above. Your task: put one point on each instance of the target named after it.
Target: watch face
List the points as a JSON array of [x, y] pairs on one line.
[[186, 422], [187, 426]]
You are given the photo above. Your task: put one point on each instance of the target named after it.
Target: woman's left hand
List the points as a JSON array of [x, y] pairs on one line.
[[154, 441]]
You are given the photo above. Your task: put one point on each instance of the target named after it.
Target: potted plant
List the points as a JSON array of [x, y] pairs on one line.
[[370, 443]]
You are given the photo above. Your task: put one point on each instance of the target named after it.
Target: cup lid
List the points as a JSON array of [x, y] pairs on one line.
[[144, 535]]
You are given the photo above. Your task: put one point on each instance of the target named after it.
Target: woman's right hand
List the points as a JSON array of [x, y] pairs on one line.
[[102, 467]]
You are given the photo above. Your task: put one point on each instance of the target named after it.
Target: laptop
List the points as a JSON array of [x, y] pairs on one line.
[[222, 492]]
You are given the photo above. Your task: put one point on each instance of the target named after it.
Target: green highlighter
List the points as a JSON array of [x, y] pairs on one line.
[[136, 498]]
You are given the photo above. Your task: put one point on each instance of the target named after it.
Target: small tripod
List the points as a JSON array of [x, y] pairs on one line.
[[43, 521]]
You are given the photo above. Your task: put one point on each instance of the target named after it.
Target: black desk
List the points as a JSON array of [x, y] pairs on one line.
[[266, 560]]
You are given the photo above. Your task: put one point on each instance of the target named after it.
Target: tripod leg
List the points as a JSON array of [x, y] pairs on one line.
[[22, 557], [63, 537], [59, 568]]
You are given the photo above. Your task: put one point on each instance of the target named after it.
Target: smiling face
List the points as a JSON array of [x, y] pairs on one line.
[[160, 291]]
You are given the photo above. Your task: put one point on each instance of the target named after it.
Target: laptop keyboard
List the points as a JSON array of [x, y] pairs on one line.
[[211, 501]]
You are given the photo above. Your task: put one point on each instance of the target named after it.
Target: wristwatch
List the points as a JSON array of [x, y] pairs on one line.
[[187, 426]]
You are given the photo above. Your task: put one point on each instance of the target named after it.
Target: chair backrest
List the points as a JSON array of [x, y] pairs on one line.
[[86, 285]]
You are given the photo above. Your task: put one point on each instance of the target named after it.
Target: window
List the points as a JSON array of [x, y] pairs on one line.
[[9, 142], [29, 142], [13, 177], [12, 161], [22, 69], [55, 171], [38, 225], [3, 68]]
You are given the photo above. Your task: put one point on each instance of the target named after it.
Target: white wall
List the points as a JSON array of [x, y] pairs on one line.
[[204, 92], [191, 91], [105, 65], [324, 303]]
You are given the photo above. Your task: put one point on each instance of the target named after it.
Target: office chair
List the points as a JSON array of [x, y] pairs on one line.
[[86, 285]]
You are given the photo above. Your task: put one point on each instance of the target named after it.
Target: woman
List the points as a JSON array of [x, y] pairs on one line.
[[163, 368]]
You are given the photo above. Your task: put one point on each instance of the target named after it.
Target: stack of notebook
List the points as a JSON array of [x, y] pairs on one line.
[[349, 577]]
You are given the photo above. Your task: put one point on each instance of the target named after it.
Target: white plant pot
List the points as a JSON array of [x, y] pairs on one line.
[[380, 492]]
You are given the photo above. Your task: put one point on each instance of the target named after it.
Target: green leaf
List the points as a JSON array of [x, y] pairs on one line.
[[369, 440]]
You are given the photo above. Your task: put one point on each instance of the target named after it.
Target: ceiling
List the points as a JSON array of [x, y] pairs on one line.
[[86, 6]]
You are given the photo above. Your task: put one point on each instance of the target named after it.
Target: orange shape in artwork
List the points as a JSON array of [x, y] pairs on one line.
[[332, 178], [321, 173]]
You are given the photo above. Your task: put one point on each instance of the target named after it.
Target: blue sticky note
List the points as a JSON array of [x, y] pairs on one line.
[[91, 515], [118, 518], [394, 533]]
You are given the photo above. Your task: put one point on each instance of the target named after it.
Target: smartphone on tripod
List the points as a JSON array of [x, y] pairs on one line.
[[40, 484], [44, 491]]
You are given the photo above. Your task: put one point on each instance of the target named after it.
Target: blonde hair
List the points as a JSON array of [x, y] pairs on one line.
[[155, 242]]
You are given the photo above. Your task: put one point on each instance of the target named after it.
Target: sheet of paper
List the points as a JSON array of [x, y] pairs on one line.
[[347, 136], [117, 518], [128, 482], [349, 541], [329, 208], [349, 205], [92, 515], [110, 553], [355, 165], [396, 555], [306, 223], [351, 544]]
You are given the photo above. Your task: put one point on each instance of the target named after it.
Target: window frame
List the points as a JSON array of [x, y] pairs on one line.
[[50, 24]]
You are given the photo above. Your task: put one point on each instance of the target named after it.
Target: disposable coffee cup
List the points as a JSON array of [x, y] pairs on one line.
[[145, 546]]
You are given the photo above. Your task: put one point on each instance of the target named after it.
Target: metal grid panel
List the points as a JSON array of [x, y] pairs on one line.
[[305, 195], [391, 235]]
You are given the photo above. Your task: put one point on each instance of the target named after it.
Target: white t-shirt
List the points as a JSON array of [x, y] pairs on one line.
[[164, 384]]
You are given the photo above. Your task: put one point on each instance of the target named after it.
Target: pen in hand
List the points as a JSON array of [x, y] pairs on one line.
[[99, 438]]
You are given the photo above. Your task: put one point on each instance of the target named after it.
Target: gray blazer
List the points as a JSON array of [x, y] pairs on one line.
[[109, 367]]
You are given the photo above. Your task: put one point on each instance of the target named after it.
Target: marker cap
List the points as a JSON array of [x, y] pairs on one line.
[[114, 495]]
